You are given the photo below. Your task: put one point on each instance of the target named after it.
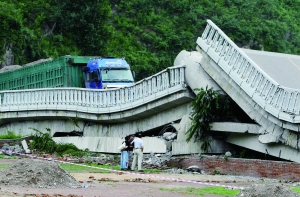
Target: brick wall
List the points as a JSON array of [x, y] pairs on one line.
[[245, 167]]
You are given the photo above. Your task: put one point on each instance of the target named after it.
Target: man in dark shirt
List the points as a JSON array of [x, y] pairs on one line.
[[129, 150]]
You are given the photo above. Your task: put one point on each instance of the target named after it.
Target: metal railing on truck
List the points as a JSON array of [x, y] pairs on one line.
[[64, 71]]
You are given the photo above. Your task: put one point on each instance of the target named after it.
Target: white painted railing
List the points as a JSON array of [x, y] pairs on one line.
[[282, 102], [164, 83]]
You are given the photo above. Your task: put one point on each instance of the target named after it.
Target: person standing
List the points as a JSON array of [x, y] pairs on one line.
[[129, 150], [138, 152], [124, 154]]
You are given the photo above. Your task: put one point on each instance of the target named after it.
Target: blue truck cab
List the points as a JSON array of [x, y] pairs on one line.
[[107, 72]]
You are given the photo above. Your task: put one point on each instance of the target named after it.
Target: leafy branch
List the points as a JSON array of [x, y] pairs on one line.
[[208, 106]]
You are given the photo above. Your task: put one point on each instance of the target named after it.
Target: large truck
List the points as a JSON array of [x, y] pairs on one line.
[[67, 71]]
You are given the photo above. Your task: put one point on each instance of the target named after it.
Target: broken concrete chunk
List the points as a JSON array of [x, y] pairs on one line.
[[169, 136], [25, 146], [193, 169], [228, 154]]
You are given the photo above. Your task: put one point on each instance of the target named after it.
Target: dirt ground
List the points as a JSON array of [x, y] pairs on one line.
[[116, 184], [119, 185]]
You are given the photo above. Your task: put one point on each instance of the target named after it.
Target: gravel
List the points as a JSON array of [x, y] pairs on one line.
[[268, 190], [37, 174]]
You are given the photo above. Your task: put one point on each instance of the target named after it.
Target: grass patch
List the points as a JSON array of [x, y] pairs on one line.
[[10, 135], [4, 166], [2, 156], [76, 168], [296, 189], [221, 191], [86, 168]]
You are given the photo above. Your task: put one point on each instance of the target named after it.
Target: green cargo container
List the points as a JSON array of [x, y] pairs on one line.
[[64, 71]]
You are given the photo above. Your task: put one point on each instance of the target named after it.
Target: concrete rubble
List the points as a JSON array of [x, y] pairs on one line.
[[11, 150], [157, 161]]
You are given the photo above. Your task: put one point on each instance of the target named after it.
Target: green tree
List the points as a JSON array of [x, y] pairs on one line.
[[208, 106], [11, 22], [86, 24]]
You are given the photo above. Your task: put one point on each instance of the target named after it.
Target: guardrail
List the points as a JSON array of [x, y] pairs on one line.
[[166, 82], [280, 101]]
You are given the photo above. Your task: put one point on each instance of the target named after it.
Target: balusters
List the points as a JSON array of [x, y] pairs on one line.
[[159, 84], [118, 102], [219, 45], [182, 75], [176, 77], [215, 39], [296, 107], [224, 48], [206, 31], [210, 35], [153, 80]]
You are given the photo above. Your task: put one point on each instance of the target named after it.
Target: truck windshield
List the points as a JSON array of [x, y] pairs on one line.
[[116, 75]]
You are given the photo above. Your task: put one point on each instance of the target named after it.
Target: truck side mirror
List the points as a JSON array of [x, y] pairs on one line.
[[133, 74], [85, 69]]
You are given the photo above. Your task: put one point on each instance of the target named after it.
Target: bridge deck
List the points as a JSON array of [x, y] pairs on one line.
[[283, 68]]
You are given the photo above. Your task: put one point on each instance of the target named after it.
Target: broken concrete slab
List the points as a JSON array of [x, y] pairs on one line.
[[25, 146]]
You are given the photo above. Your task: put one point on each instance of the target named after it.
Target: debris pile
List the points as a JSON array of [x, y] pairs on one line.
[[10, 150], [37, 174], [102, 159], [267, 190], [157, 161]]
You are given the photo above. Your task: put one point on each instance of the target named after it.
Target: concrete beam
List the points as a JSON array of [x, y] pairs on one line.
[[111, 144], [275, 149], [235, 127], [183, 147], [99, 129]]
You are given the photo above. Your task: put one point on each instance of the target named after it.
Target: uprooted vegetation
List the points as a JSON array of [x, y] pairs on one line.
[[43, 143]]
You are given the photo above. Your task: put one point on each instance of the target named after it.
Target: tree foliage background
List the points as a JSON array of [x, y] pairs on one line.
[[148, 33]]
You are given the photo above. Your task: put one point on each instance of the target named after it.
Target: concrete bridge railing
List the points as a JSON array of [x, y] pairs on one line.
[[164, 83], [282, 102]]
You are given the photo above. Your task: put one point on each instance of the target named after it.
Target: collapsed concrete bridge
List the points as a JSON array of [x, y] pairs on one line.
[[265, 85]]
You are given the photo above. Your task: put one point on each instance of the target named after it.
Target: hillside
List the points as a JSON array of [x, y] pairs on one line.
[[149, 34]]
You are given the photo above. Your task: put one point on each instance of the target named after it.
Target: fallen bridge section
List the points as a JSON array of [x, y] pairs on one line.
[[253, 79]]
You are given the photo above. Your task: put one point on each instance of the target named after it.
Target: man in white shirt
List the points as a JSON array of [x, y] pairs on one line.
[[138, 152]]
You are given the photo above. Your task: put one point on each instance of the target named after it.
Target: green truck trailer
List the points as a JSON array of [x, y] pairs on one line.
[[65, 71]]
